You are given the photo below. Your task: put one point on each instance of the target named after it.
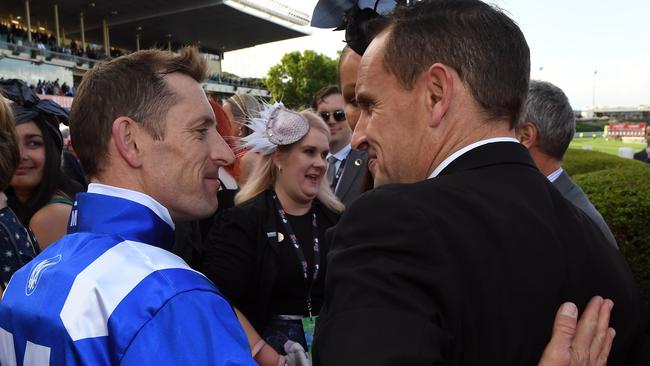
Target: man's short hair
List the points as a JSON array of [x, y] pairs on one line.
[[485, 47], [323, 93], [9, 151], [548, 108], [129, 86]]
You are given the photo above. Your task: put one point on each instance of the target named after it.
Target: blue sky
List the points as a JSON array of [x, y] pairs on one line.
[[568, 39]]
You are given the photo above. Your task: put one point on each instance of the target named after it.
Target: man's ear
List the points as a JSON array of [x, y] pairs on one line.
[[440, 89], [527, 134], [125, 133]]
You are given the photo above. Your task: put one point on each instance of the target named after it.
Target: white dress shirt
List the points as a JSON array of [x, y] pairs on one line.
[[556, 174], [341, 155], [467, 148]]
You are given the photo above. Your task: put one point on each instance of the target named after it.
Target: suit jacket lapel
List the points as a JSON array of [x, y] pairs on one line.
[[350, 173], [270, 221], [495, 153]]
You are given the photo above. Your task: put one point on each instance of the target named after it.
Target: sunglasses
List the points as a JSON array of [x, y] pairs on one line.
[[338, 115]]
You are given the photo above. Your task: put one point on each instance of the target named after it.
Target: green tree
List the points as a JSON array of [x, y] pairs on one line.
[[297, 77]]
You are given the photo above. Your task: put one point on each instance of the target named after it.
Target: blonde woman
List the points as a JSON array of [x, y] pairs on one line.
[[267, 254]]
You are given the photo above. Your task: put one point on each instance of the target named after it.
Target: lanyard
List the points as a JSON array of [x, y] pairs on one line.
[[299, 252], [339, 172]]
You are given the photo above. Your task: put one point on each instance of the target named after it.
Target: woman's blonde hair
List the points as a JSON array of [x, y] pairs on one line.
[[265, 172]]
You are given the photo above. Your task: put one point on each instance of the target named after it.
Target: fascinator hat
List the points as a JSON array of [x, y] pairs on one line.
[[275, 126], [27, 106], [356, 17]]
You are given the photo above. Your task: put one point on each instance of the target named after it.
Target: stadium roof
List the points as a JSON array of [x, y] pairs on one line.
[[215, 25]]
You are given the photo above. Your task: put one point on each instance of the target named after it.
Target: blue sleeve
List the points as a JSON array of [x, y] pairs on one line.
[[193, 328]]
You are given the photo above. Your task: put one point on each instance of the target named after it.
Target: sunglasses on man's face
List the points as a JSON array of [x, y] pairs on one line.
[[338, 115]]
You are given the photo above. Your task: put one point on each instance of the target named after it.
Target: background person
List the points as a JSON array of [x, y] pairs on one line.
[[547, 130], [251, 254], [40, 193], [241, 108], [17, 245], [347, 167], [643, 154]]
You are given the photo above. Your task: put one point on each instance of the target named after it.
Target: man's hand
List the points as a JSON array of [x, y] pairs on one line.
[[584, 342]]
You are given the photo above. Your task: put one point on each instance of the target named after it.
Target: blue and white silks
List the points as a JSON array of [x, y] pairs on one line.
[[111, 293]]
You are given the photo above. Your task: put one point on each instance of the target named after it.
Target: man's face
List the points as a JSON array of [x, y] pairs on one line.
[[182, 170], [332, 108], [348, 72], [392, 126]]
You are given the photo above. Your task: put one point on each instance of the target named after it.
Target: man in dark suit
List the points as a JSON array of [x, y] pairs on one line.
[[548, 127], [467, 262], [643, 154], [347, 167]]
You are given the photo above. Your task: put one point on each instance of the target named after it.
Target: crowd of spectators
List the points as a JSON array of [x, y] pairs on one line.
[[53, 88], [16, 36], [234, 81]]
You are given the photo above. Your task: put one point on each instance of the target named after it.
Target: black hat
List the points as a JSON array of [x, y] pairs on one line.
[[354, 16], [27, 106]]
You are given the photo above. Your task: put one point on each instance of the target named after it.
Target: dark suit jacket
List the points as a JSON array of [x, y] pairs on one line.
[[353, 177], [643, 156], [468, 268], [241, 254], [577, 196]]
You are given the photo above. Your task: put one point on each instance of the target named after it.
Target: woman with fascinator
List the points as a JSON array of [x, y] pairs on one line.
[[267, 254], [39, 192]]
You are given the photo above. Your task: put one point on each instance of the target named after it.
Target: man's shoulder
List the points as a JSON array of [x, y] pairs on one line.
[[129, 281], [392, 200], [414, 192]]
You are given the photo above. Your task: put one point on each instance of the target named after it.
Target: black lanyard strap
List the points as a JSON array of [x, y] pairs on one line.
[[301, 255]]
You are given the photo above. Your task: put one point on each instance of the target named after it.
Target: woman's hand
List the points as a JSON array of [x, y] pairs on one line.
[[580, 342]]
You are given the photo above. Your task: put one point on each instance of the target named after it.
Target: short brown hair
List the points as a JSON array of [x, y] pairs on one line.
[[485, 47], [9, 152], [323, 93], [131, 86]]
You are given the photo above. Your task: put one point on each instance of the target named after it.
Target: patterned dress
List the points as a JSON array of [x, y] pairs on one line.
[[17, 245]]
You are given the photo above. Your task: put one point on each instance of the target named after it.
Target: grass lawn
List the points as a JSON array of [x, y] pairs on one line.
[[600, 144]]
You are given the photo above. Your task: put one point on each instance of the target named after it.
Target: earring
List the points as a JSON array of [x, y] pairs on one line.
[[279, 169]]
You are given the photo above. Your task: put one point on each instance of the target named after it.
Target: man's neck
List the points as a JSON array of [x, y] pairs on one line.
[[3, 200], [458, 139], [546, 164], [290, 205]]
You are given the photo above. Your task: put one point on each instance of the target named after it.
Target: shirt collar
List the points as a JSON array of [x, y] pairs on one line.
[[555, 175], [343, 153], [134, 196], [467, 148]]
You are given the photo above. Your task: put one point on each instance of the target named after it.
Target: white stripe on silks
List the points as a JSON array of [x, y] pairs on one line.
[[7, 351], [36, 355], [100, 287]]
